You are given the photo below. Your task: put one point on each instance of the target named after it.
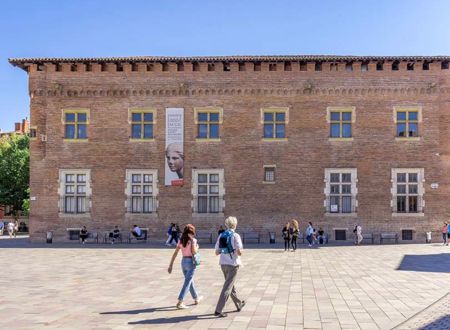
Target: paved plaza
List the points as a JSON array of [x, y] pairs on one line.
[[122, 287]]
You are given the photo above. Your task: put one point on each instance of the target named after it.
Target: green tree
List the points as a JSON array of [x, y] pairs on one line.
[[14, 171]]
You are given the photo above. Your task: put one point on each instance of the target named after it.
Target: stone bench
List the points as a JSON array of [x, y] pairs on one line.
[[74, 234], [250, 236], [369, 237], [204, 236], [143, 238], [388, 236]]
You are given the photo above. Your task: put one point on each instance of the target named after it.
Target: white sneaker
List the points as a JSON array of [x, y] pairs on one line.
[[309, 245], [181, 305], [198, 300]]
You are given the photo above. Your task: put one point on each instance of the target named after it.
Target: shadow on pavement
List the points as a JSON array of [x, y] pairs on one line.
[[142, 311], [441, 323], [435, 263], [177, 319]]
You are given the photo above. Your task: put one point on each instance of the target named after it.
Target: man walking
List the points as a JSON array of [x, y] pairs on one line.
[[229, 247]]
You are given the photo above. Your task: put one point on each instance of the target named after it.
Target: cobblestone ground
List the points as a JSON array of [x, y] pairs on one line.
[[333, 287]]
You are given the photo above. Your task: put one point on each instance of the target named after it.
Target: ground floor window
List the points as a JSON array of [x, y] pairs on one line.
[[208, 191], [141, 191], [74, 191]]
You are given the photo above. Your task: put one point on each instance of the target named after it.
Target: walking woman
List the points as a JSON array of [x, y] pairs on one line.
[[444, 233], [188, 246], [293, 231], [286, 236]]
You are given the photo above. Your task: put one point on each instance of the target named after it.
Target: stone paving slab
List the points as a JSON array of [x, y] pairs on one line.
[[434, 317], [111, 287]]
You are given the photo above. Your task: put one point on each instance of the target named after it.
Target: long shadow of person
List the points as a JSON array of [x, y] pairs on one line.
[[177, 319], [142, 311]]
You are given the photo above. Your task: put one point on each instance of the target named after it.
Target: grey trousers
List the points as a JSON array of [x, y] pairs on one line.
[[230, 274]]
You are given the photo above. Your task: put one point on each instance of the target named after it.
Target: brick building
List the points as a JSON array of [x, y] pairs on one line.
[[330, 139], [20, 128]]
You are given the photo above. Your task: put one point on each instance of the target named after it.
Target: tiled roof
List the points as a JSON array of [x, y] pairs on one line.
[[23, 62]]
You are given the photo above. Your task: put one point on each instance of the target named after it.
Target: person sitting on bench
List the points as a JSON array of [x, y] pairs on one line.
[[83, 234], [136, 231], [115, 234]]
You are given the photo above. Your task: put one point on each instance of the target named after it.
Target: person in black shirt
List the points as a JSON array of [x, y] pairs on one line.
[[286, 236], [83, 234], [293, 233]]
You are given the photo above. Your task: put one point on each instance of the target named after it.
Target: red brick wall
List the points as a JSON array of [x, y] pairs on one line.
[[300, 161]]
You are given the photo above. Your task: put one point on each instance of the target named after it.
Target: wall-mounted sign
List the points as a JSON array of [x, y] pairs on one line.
[[334, 208], [434, 185], [174, 147], [32, 198]]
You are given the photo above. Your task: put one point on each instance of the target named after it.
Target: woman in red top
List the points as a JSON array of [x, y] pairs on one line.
[[444, 233], [188, 246]]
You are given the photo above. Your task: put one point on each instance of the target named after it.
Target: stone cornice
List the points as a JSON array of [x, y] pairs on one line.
[[166, 92]]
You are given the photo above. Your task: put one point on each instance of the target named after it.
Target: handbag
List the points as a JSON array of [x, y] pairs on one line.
[[196, 259]]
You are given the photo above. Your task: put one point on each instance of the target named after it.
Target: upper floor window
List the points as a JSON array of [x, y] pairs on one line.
[[142, 124], [341, 121], [274, 121], [208, 191], [74, 191], [407, 121], [75, 123], [340, 190], [407, 190], [141, 191], [208, 121]]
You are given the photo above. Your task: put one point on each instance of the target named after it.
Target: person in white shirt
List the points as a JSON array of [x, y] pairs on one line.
[[136, 231], [358, 234], [11, 230], [229, 247], [309, 234]]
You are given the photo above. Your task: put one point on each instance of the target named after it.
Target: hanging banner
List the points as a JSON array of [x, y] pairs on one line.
[[174, 147]]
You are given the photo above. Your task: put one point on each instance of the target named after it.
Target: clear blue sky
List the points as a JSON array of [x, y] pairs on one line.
[[56, 28]]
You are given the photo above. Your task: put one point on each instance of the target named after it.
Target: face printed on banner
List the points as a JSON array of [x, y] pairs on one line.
[[175, 158]]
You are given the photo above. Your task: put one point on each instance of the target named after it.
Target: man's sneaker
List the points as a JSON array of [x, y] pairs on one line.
[[180, 305], [241, 306], [221, 314], [197, 301]]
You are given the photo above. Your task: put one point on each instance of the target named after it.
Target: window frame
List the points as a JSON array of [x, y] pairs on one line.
[[265, 169], [209, 110], [420, 191], [76, 123], [274, 122], [129, 195], [62, 192], [418, 122], [353, 191], [341, 122], [142, 122], [196, 195]]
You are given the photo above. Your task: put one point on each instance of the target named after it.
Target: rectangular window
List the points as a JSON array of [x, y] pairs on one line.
[[340, 190], [407, 190], [407, 121], [208, 121], [340, 124], [142, 124], [269, 173], [274, 122], [208, 191], [75, 123], [142, 190], [74, 191]]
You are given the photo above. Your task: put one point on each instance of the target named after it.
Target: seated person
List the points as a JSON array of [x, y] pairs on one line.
[[115, 234], [83, 234], [321, 236], [136, 231]]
